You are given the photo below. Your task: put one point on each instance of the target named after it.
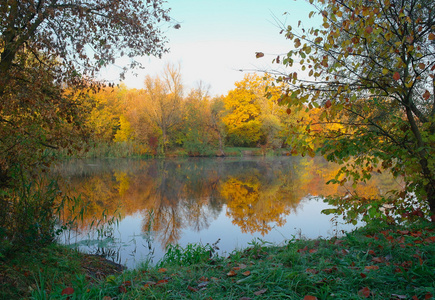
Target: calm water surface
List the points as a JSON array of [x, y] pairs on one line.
[[135, 208]]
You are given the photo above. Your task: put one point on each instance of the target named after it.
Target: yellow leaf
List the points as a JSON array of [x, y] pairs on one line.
[[385, 71]]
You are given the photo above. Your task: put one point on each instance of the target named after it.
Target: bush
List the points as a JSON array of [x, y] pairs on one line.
[[27, 217]]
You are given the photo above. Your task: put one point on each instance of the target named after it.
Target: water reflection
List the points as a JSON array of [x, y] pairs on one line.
[[166, 200]]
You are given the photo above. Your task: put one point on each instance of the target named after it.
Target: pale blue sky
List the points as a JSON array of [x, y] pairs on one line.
[[218, 38]]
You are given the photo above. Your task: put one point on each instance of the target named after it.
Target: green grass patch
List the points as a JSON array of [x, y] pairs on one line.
[[373, 262]]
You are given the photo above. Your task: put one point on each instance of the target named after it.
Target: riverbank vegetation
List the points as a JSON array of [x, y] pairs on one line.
[[378, 261]]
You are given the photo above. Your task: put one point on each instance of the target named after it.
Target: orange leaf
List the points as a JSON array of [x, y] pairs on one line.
[[258, 293], [231, 273], [162, 270], [68, 291], [368, 268], [163, 281], [431, 36], [289, 111], [312, 251], [426, 95], [127, 283], [396, 76], [247, 273], [365, 291]]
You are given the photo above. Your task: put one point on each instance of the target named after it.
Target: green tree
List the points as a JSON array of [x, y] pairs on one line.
[[371, 67]]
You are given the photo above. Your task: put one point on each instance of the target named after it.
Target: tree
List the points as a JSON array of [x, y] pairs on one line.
[[371, 67], [50, 47], [243, 118], [50, 51], [164, 102]]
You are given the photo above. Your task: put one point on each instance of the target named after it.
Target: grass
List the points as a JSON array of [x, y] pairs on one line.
[[373, 262]]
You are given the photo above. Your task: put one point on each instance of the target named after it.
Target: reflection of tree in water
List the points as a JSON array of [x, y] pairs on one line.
[[184, 196], [190, 193]]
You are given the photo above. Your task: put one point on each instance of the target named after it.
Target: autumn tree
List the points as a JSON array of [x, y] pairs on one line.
[[198, 138], [243, 107], [371, 66], [164, 103], [47, 46], [50, 51]]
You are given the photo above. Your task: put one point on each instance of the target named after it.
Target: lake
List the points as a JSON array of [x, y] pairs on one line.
[[132, 209]]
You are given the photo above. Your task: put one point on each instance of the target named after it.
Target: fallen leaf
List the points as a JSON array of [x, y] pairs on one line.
[[231, 273], [245, 298], [414, 297], [377, 259], [363, 275], [242, 266], [312, 251], [309, 297], [192, 289], [68, 291], [428, 296], [163, 281], [260, 292], [162, 270], [365, 291], [369, 268], [127, 283], [203, 278], [107, 298], [302, 249], [259, 54], [247, 273], [122, 289], [312, 271]]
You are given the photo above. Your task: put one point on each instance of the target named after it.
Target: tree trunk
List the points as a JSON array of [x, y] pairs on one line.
[[429, 187], [430, 193]]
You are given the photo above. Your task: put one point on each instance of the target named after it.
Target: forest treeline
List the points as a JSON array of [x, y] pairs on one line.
[[164, 117]]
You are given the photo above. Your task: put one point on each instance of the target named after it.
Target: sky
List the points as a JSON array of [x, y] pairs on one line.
[[219, 38]]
